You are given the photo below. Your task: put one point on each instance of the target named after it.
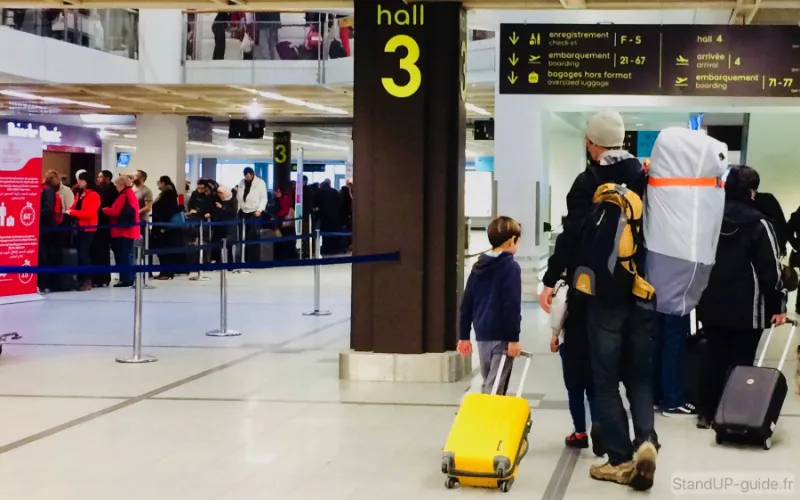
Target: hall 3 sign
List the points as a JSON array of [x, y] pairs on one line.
[[414, 15], [47, 136]]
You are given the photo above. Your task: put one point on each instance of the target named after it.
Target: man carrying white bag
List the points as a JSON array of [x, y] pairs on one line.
[[684, 206]]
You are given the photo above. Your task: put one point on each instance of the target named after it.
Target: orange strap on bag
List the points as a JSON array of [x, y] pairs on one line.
[[685, 182]]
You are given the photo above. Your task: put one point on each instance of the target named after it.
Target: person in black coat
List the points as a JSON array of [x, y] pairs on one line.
[[328, 202], [745, 293], [226, 209], [771, 207], [165, 210], [101, 244]]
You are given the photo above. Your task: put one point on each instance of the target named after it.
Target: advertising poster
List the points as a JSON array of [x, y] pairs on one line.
[[20, 189]]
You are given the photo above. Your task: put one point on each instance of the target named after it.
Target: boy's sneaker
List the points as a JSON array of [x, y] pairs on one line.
[[645, 467], [685, 410], [577, 440], [703, 421], [620, 474], [598, 448]]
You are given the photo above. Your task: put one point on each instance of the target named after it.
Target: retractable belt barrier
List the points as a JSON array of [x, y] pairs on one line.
[[140, 269], [188, 223]]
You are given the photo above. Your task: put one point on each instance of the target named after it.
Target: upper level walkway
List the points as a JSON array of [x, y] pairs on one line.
[[169, 47]]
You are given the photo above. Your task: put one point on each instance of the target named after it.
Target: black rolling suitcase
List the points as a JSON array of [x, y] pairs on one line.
[[66, 282], [752, 400], [696, 355]]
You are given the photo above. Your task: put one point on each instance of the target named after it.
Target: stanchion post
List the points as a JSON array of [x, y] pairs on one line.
[[242, 249], [138, 282], [201, 256], [146, 238], [223, 300], [317, 278]]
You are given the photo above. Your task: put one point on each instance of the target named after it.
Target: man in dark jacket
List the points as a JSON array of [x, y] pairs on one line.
[[619, 331], [745, 292], [47, 203], [101, 244], [771, 207], [329, 206]]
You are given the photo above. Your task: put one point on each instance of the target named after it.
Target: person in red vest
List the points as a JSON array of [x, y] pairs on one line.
[[84, 211]]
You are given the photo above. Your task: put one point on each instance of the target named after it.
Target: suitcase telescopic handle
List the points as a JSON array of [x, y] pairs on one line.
[[523, 354], [789, 321]]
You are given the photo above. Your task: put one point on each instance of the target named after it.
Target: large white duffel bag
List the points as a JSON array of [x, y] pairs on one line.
[[683, 213]]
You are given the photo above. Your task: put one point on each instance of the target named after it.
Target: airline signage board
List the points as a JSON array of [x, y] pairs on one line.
[[691, 60]]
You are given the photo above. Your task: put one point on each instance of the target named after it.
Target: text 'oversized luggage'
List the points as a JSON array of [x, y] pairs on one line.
[[751, 403], [489, 437]]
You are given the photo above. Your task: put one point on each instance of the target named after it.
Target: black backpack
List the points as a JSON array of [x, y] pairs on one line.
[[127, 215], [336, 50]]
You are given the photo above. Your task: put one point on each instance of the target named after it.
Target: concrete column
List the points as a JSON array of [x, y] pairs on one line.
[[161, 46], [409, 142], [773, 150], [161, 148], [521, 171]]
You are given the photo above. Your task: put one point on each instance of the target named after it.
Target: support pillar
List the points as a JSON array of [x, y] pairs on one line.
[[161, 148], [161, 46], [521, 171], [409, 144], [281, 159]]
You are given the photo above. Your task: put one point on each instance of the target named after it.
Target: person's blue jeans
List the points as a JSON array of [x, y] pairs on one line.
[[669, 360], [123, 256], [621, 342], [578, 384]]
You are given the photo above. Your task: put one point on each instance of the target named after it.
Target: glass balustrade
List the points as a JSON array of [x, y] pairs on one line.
[[108, 30], [306, 40]]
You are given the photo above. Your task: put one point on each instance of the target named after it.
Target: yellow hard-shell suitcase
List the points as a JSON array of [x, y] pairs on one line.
[[489, 438]]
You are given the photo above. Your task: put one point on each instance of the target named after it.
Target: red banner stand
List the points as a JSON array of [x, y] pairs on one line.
[[20, 191]]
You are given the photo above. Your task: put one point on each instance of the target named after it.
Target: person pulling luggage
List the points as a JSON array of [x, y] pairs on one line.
[[745, 292], [620, 332], [492, 303]]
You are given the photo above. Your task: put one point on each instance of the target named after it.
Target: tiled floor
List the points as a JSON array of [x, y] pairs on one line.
[[264, 415]]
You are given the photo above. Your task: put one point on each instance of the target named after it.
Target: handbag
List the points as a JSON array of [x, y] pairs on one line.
[[290, 216], [247, 43], [177, 218]]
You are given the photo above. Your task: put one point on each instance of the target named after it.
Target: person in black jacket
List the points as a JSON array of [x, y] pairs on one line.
[[618, 335], [47, 203], [101, 244], [226, 209], [771, 207], [328, 202], [165, 209], [745, 293]]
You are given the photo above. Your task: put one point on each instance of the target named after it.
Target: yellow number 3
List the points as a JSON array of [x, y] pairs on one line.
[[407, 64], [280, 153]]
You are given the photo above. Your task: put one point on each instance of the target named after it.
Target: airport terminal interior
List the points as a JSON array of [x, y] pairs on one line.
[[277, 234]]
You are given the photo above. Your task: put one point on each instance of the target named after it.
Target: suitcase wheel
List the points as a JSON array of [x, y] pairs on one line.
[[767, 443], [718, 439], [505, 486], [450, 483]]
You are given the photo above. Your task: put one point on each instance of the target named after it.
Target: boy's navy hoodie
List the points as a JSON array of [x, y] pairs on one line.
[[493, 300]]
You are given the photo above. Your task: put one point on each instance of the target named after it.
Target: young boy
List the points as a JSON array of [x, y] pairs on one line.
[[492, 303], [574, 352]]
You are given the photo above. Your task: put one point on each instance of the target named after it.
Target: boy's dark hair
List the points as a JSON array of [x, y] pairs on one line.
[[741, 181], [503, 229]]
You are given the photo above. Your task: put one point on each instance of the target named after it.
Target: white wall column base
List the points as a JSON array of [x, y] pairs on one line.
[[378, 367]]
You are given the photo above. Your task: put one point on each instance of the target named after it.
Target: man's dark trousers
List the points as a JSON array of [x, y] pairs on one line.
[[621, 344]]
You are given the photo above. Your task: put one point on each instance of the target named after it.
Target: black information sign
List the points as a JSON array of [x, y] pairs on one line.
[[758, 61], [746, 61], [281, 158], [578, 59]]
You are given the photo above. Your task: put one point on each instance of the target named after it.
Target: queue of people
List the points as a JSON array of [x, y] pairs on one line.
[[72, 222]]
